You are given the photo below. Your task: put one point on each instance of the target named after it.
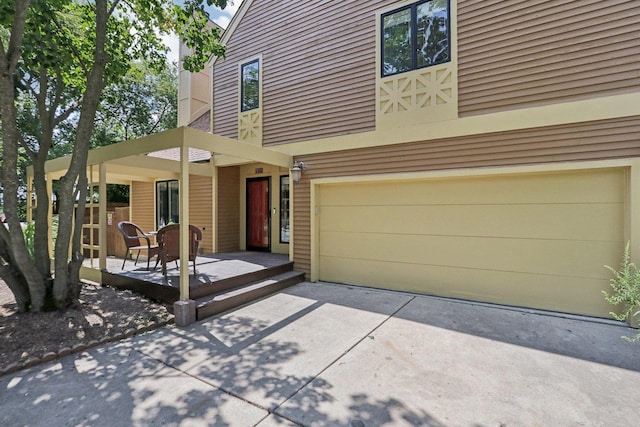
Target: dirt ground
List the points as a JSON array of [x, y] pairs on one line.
[[103, 313]]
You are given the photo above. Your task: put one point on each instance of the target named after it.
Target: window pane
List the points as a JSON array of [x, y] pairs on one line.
[[251, 86], [162, 201], [396, 48], [173, 202], [167, 205], [284, 209], [432, 21]]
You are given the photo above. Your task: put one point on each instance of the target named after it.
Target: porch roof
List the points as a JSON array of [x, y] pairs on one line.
[[157, 156], [134, 161]]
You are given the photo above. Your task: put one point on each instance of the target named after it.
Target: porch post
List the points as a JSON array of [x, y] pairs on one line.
[[184, 222], [102, 216], [214, 205], [30, 198]]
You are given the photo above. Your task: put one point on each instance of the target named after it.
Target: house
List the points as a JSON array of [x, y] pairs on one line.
[[487, 151]]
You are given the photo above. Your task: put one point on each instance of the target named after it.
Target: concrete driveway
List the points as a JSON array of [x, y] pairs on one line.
[[329, 355]]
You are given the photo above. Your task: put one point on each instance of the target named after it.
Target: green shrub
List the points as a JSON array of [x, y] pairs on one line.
[[625, 286]]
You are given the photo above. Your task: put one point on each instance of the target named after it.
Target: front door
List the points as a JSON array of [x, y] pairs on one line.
[[258, 214]]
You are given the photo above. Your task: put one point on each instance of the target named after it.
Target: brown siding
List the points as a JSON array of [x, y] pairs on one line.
[[523, 53], [318, 69], [143, 204], [201, 209], [228, 209], [605, 139]]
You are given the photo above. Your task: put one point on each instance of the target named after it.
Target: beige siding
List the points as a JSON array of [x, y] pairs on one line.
[[588, 141], [228, 209], [522, 53], [318, 69], [143, 204], [201, 209], [200, 206]]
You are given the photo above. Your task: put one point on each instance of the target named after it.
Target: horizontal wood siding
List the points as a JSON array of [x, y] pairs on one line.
[[228, 209], [607, 139], [143, 204], [318, 69], [523, 53], [201, 209]]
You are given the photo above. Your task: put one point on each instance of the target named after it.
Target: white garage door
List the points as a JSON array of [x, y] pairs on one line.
[[537, 240]]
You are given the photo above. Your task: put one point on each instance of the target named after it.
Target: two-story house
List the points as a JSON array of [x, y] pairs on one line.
[[484, 150]]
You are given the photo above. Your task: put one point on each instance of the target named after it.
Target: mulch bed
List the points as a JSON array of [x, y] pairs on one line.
[[103, 314]]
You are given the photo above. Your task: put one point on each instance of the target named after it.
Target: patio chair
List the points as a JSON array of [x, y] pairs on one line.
[[169, 243], [135, 239]]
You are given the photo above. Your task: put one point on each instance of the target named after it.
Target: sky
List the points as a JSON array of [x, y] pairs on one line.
[[220, 17]]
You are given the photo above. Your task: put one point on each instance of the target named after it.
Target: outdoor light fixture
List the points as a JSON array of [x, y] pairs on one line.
[[296, 171]]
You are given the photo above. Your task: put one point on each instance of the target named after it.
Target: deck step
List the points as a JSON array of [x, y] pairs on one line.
[[218, 286], [214, 304]]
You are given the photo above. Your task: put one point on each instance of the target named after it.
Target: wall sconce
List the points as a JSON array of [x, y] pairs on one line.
[[296, 171]]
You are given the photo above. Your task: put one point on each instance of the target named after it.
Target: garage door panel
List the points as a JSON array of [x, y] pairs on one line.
[[538, 240], [547, 221], [549, 257], [600, 186], [567, 294]]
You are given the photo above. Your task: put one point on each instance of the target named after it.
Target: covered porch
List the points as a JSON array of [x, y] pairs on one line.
[[222, 281], [193, 160]]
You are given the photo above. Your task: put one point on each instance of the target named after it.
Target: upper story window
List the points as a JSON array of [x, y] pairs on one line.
[[250, 85], [415, 36]]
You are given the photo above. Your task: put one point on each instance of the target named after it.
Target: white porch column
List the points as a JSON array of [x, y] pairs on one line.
[[30, 199], [184, 222], [214, 207], [102, 216]]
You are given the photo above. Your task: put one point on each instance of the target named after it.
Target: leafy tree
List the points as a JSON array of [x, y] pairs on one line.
[[144, 102], [56, 57]]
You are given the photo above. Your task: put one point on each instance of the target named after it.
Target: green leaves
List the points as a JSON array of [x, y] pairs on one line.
[[202, 38], [625, 286]]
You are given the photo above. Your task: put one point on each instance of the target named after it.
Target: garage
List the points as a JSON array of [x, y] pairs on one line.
[[537, 240]]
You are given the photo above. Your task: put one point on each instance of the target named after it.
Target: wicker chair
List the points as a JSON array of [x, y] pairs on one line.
[[135, 239], [169, 243]]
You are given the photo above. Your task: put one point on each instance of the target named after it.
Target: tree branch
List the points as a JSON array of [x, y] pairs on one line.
[[157, 123], [17, 33], [23, 143], [65, 114], [112, 8]]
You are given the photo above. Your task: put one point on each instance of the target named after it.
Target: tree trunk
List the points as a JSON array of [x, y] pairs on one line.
[[20, 260], [63, 287], [14, 281]]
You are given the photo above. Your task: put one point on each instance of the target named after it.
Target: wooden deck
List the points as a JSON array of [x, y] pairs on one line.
[[222, 281]]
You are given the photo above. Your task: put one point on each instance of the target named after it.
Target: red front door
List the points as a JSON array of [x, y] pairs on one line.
[[258, 214]]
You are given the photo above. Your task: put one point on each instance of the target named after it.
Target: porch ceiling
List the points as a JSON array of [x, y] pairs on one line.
[[135, 159]]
